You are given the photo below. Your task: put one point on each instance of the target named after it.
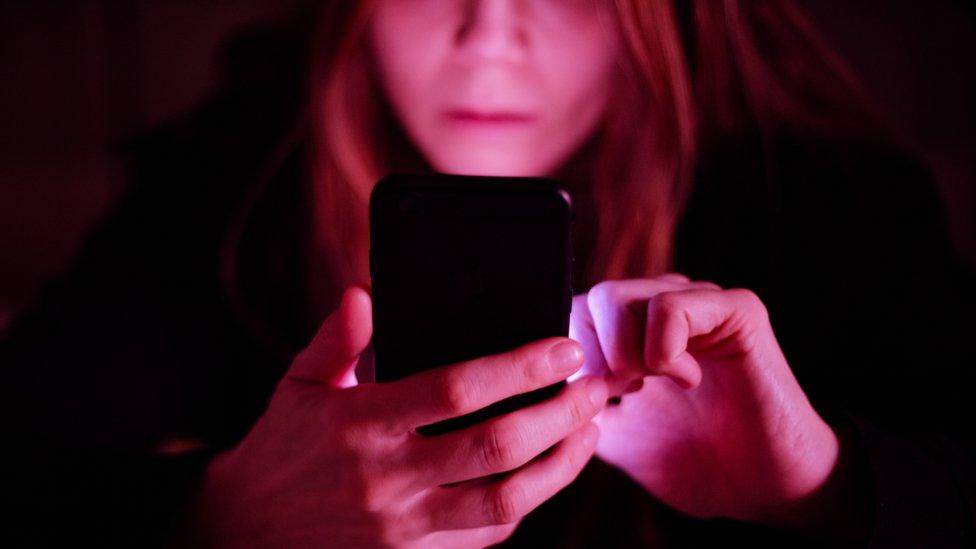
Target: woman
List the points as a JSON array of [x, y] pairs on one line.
[[729, 183]]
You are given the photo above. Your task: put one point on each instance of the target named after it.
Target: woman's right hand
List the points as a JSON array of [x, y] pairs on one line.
[[333, 462]]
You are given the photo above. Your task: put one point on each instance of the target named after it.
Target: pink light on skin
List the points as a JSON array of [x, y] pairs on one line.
[[490, 117], [582, 328], [496, 87], [474, 124], [720, 425]]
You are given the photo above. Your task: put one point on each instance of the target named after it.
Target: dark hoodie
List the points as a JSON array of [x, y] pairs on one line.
[[141, 341]]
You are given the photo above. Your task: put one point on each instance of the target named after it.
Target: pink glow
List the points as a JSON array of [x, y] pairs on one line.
[[496, 88]]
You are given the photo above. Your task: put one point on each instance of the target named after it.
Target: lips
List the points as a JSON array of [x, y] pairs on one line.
[[489, 116]]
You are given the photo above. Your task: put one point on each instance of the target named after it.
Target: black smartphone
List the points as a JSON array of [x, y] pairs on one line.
[[464, 266]]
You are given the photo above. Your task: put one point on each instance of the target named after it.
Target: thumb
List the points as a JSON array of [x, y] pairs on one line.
[[333, 353]]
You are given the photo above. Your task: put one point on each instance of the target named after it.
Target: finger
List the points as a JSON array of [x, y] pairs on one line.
[[457, 389], [331, 356], [507, 499], [582, 329], [505, 442], [685, 281], [618, 309], [674, 277], [498, 533], [475, 538], [675, 317]]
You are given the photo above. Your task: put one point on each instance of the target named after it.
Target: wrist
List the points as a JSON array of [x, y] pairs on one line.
[[842, 507], [205, 516]]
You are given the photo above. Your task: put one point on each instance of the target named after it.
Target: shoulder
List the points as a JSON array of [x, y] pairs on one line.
[[185, 177], [807, 203], [858, 173], [135, 330], [863, 204], [866, 276], [259, 94]]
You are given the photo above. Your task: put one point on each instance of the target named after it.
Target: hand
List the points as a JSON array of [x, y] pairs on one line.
[[333, 462], [711, 421]]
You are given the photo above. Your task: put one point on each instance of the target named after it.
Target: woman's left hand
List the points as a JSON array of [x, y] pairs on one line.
[[713, 422]]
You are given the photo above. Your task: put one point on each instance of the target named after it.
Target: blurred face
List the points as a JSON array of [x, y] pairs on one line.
[[496, 87]]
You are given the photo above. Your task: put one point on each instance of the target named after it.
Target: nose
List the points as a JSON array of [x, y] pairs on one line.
[[492, 30]]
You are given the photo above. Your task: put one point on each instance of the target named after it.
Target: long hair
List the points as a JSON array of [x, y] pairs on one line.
[[694, 70]]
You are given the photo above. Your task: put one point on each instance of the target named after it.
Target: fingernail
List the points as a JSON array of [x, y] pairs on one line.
[[597, 391], [566, 355]]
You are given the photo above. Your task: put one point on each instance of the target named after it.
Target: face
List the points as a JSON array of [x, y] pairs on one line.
[[496, 87]]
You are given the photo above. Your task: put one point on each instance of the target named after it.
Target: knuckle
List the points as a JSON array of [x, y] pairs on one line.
[[533, 365], [454, 393], [353, 436], [573, 462], [664, 304], [504, 504], [500, 447], [381, 491], [374, 418], [593, 300], [752, 302], [605, 289], [575, 458], [599, 287], [708, 285], [744, 294], [676, 276], [369, 486], [580, 408]]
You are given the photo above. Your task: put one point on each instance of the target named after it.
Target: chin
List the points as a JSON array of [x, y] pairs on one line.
[[496, 166]]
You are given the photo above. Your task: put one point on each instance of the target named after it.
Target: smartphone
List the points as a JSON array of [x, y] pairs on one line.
[[465, 266]]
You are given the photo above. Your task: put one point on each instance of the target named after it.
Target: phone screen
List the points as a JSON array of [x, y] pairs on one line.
[[467, 266]]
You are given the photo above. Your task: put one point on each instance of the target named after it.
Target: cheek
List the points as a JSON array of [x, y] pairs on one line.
[[578, 82], [406, 58]]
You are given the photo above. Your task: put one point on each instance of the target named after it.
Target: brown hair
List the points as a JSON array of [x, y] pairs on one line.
[[694, 70]]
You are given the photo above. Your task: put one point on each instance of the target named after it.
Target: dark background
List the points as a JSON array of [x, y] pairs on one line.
[[79, 75]]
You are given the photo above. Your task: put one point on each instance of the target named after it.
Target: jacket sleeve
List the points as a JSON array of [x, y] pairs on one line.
[[91, 386], [133, 347], [922, 489], [893, 355], [919, 440]]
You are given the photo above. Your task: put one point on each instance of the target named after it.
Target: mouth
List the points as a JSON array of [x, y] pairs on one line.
[[488, 118]]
